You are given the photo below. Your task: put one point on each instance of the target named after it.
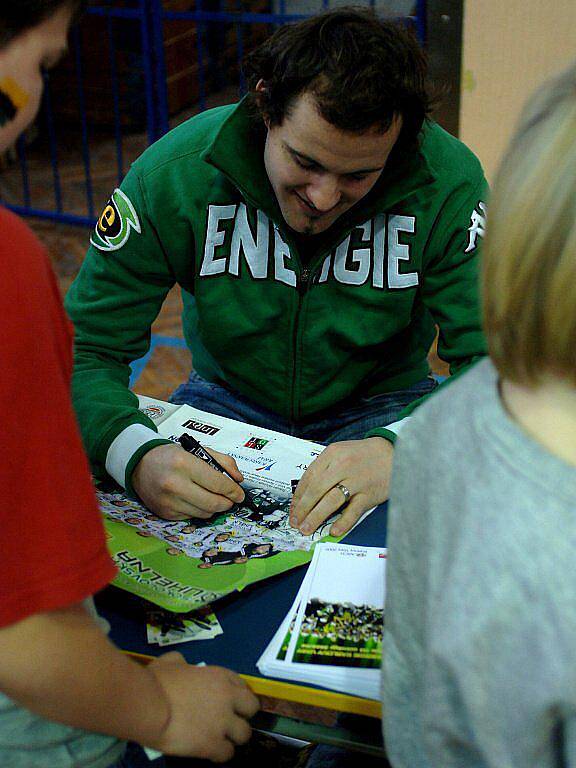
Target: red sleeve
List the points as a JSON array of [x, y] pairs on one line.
[[52, 543]]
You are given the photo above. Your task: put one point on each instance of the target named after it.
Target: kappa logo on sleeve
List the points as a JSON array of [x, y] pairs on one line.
[[477, 226], [118, 218]]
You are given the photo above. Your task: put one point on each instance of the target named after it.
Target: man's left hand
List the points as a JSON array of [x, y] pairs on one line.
[[361, 466]]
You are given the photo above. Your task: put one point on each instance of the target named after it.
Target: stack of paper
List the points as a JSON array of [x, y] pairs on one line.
[[332, 635]]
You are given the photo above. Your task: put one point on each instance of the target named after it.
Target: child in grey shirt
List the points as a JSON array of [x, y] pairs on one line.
[[480, 636]]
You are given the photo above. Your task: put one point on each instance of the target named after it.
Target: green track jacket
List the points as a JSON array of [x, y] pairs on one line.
[[358, 319]]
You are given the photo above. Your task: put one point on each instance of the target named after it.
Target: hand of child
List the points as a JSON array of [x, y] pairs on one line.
[[209, 709]]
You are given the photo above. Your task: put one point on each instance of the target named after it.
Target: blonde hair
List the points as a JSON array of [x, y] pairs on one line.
[[529, 260]]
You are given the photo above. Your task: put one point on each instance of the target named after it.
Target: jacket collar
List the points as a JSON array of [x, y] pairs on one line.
[[237, 152]]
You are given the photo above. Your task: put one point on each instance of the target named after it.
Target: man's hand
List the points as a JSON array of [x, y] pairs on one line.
[[209, 709], [362, 466], [176, 485]]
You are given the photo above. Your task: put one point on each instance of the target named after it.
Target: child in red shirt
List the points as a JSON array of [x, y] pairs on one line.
[[62, 684]]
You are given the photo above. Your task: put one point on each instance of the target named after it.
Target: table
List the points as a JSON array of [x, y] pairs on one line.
[[249, 620]]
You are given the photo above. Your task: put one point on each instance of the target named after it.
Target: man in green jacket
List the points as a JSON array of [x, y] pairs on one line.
[[319, 230]]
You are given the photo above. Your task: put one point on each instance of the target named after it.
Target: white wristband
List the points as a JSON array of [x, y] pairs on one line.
[[123, 447], [397, 425]]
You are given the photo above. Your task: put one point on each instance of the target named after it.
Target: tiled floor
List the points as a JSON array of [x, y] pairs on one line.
[[168, 366]]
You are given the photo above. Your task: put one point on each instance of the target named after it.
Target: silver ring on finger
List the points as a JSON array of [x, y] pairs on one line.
[[345, 492]]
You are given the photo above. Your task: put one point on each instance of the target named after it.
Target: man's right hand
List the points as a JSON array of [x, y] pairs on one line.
[[209, 709], [176, 485]]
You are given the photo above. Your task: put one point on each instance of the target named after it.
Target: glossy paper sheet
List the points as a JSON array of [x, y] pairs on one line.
[[183, 565]]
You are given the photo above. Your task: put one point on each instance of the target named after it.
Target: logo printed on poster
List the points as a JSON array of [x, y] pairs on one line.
[[266, 467], [198, 426], [257, 443], [153, 411]]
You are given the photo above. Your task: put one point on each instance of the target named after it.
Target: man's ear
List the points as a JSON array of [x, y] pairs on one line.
[[260, 89]]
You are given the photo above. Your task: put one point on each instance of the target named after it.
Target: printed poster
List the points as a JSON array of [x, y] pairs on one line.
[[186, 564]]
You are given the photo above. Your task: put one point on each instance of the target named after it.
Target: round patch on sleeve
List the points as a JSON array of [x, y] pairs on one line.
[[117, 220]]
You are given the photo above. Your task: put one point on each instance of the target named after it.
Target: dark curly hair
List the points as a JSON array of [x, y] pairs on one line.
[[16, 16], [362, 71]]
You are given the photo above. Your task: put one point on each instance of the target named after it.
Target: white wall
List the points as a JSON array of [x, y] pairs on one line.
[[509, 48]]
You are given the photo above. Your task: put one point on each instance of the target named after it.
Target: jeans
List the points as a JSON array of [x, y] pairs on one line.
[[135, 757], [326, 756], [348, 422]]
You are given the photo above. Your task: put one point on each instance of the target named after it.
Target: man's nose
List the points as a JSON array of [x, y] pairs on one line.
[[324, 193]]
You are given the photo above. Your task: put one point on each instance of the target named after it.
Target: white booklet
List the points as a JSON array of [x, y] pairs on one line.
[[332, 635]]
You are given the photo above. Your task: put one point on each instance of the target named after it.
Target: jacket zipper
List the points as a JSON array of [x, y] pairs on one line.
[[302, 286]]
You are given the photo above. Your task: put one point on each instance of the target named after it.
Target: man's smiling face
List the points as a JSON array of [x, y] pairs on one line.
[[317, 171]]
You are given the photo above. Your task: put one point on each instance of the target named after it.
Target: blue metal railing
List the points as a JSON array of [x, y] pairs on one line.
[[84, 123], [77, 168]]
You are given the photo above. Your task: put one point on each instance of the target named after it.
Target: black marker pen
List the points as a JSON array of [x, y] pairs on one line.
[[192, 446]]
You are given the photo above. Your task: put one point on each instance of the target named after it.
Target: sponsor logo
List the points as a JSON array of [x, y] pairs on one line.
[[257, 443], [198, 426], [153, 411], [477, 226], [378, 252], [266, 467], [118, 218]]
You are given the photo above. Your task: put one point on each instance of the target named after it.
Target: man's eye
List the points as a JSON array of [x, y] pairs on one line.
[[357, 176], [304, 164]]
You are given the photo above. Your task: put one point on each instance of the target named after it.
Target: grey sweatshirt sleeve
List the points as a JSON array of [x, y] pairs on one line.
[[480, 634]]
